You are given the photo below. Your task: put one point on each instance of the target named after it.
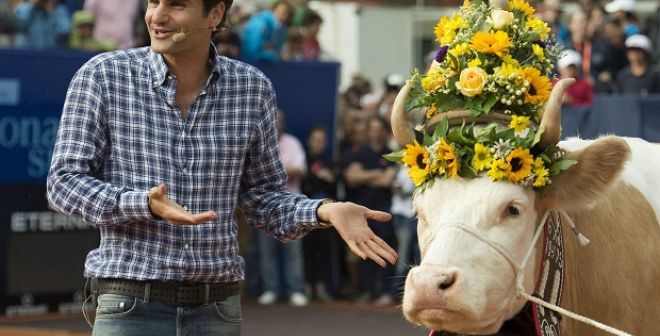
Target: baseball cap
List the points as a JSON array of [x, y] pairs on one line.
[[639, 41], [569, 57], [620, 5]]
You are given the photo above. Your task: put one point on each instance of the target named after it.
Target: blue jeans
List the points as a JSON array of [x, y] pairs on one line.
[[291, 269], [131, 316]]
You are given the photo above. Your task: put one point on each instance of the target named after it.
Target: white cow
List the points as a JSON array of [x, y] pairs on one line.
[[612, 194]]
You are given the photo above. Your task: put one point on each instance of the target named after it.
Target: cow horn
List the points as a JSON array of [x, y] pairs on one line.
[[551, 119], [403, 132]]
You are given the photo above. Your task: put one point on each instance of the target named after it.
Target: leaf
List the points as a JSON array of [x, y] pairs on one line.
[[441, 129], [537, 137], [395, 156], [561, 165], [507, 134], [491, 100], [447, 102]]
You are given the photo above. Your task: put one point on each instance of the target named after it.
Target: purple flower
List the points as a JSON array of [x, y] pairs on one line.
[[441, 54]]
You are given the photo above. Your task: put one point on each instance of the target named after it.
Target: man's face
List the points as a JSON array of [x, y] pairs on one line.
[[282, 14], [376, 132], [165, 18]]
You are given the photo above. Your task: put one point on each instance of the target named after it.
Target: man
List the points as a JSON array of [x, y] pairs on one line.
[[157, 147], [371, 177]]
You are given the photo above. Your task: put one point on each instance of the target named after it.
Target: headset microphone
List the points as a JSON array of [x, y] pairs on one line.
[[180, 36]]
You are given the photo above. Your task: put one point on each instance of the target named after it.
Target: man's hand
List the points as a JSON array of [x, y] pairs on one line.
[[161, 206], [350, 220]]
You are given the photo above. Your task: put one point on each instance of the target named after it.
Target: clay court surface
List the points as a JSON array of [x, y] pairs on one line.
[[333, 319]]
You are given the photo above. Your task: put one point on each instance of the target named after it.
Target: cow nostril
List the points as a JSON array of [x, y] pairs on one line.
[[446, 281]]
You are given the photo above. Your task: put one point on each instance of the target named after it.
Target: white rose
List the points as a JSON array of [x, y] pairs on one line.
[[501, 18]]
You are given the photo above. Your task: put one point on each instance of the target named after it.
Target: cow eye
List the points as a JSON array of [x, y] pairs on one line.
[[513, 210]]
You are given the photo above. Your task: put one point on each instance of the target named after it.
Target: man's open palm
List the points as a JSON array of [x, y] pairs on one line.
[[163, 207]]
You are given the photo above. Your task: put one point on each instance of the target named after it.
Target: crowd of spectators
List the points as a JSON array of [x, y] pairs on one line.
[[609, 50], [279, 31]]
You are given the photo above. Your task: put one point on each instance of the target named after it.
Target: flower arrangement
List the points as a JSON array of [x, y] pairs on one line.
[[490, 59]]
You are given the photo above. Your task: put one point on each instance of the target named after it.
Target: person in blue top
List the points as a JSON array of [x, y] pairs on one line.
[[265, 33], [157, 147], [43, 24]]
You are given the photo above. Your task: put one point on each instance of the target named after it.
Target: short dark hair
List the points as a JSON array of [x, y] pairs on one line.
[[312, 17], [210, 4]]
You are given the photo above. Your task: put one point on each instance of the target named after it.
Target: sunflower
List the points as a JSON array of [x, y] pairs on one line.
[[519, 165], [481, 159], [521, 6], [541, 173], [418, 176], [449, 159], [416, 156], [491, 42], [539, 86], [497, 169], [519, 123], [440, 29]]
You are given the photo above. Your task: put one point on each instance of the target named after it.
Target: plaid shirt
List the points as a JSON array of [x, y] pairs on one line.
[[121, 134]]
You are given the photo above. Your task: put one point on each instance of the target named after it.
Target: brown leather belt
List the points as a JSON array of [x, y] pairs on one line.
[[177, 293]]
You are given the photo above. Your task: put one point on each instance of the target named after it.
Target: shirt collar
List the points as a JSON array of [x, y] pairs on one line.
[[159, 69]]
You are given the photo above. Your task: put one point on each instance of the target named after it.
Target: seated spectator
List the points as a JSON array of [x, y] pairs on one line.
[[265, 33], [639, 77], [580, 93], [82, 34], [43, 24]]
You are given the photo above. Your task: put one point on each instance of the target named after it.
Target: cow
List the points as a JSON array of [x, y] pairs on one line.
[[462, 285]]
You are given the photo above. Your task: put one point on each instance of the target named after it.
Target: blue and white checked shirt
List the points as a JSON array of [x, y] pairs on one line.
[[121, 134]]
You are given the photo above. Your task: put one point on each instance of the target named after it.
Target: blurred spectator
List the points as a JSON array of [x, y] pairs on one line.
[[639, 77], [265, 33], [580, 93], [624, 10], [551, 13], [611, 33], [381, 102], [311, 49], [82, 34], [43, 24], [405, 228], [321, 249], [8, 25], [228, 43], [596, 18], [371, 177], [291, 269], [115, 20], [651, 29], [292, 50], [594, 53]]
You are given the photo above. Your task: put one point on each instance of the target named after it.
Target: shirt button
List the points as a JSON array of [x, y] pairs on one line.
[[185, 208], [170, 77], [185, 171], [186, 246]]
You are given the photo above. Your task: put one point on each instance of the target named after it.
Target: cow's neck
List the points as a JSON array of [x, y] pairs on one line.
[[603, 280]]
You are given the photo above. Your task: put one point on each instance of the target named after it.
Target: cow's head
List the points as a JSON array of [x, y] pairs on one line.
[[463, 284]]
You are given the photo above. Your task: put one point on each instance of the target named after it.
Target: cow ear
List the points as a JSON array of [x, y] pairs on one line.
[[597, 168]]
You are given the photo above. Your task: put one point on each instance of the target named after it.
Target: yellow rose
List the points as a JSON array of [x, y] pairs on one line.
[[472, 81], [501, 18]]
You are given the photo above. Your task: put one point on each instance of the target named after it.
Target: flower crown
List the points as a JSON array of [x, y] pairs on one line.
[[490, 59]]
